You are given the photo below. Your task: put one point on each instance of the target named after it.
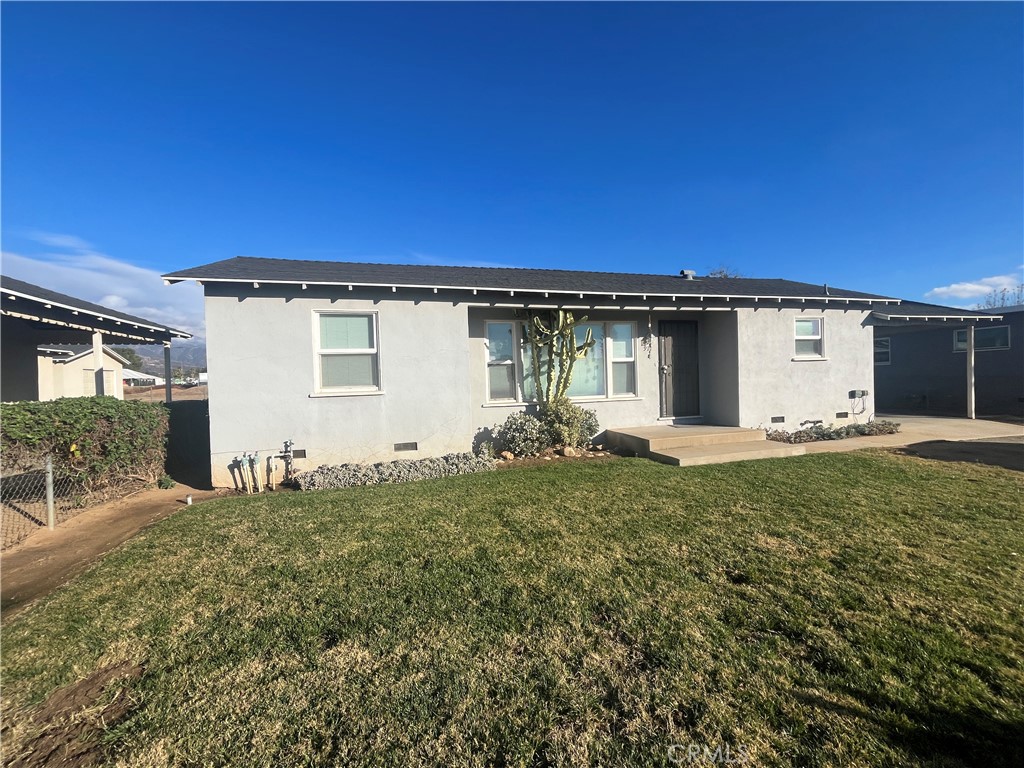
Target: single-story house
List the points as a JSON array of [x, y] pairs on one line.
[[367, 362], [68, 370], [920, 369], [32, 316]]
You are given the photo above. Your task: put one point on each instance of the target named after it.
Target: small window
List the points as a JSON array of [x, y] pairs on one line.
[[986, 338], [501, 365], [809, 337], [883, 350], [623, 358], [347, 352]]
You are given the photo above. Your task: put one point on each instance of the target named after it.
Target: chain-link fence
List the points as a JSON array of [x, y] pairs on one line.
[[30, 500]]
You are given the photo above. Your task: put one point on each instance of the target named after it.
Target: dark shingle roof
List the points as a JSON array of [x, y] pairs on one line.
[[44, 295], [918, 310], [248, 268]]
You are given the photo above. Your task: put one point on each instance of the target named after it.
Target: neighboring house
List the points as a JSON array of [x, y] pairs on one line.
[[922, 369], [32, 316], [368, 362], [69, 370]]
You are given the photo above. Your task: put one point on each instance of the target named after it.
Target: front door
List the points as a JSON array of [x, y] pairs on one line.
[[677, 350]]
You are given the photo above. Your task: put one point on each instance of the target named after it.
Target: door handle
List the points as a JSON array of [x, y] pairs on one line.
[[666, 368]]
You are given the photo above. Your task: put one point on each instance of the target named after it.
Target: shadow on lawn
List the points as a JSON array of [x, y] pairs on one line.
[[939, 734], [1007, 453]]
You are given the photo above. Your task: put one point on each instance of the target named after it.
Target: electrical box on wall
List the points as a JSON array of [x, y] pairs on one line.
[[855, 393]]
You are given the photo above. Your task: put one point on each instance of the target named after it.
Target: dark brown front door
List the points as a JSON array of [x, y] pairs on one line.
[[677, 349]]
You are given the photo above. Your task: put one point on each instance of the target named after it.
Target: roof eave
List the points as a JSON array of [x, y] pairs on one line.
[[943, 317], [475, 290], [135, 323]]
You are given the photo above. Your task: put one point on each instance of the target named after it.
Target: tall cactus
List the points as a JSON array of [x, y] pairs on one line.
[[555, 332]]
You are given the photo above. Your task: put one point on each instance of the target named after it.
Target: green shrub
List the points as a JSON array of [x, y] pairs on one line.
[[521, 434], [566, 423], [819, 432], [99, 441]]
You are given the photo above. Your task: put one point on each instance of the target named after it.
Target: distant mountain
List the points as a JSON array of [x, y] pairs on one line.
[[190, 353]]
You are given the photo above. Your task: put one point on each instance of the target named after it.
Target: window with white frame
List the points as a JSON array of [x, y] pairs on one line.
[[810, 337], [985, 339], [622, 355], [347, 354], [883, 350], [501, 362], [607, 371]]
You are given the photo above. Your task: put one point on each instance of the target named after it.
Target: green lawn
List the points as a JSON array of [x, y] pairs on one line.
[[847, 609]]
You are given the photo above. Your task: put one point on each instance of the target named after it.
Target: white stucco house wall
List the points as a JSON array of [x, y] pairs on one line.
[[369, 362]]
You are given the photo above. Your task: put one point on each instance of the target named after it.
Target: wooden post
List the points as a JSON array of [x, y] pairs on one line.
[[97, 361], [167, 372], [970, 372]]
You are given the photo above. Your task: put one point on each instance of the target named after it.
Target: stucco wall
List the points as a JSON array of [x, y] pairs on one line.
[[718, 348], [772, 383], [59, 377], [926, 375], [433, 373], [260, 351]]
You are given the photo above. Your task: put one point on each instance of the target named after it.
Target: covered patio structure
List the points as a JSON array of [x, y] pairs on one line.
[[31, 316], [908, 370]]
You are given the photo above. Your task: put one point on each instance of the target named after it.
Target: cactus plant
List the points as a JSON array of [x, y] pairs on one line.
[[554, 332]]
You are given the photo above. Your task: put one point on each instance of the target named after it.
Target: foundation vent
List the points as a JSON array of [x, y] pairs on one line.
[[406, 447], [842, 414], [778, 419]]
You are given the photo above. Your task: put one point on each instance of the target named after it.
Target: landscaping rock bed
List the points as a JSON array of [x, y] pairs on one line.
[[405, 470]]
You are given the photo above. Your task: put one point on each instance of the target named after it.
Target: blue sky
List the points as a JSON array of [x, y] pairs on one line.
[[871, 146]]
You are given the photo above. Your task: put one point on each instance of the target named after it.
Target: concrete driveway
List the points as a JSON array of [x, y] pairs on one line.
[[944, 438]]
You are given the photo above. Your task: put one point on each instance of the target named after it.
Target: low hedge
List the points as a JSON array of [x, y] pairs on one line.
[[819, 432], [101, 442]]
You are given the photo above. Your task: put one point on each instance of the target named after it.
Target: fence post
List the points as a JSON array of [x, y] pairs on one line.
[[50, 517]]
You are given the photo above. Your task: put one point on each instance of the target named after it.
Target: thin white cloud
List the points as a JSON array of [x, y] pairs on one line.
[[434, 261], [976, 289], [74, 267]]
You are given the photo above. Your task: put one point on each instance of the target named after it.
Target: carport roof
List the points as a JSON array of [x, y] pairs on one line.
[[910, 311], [36, 304]]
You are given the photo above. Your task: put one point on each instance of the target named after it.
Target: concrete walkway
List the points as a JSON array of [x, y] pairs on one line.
[[922, 429], [47, 559]]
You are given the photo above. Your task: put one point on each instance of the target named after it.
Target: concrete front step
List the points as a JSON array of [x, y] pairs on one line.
[[724, 453], [644, 441]]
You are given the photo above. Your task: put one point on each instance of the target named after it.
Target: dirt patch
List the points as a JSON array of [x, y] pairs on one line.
[[47, 559], [157, 394], [72, 722], [550, 457]]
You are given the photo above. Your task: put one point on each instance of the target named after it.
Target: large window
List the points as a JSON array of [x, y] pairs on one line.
[[347, 352], [883, 350], [810, 337], [607, 370], [986, 338]]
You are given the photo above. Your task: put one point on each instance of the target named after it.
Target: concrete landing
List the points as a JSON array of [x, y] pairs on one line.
[[683, 445], [724, 453]]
